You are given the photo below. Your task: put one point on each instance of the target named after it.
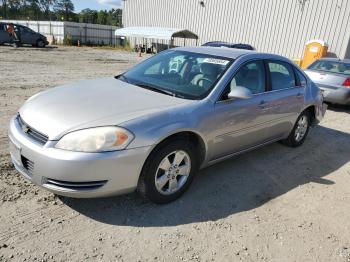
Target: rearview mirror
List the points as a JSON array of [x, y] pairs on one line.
[[240, 92]]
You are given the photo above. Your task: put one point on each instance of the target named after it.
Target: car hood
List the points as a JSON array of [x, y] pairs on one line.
[[91, 103]]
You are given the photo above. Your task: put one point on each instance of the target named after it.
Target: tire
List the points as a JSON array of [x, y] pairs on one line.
[[157, 184], [301, 128], [40, 43]]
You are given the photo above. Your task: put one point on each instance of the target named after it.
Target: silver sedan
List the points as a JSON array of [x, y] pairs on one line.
[[332, 75], [154, 126]]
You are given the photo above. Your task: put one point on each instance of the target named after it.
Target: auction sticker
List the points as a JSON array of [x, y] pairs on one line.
[[216, 61]]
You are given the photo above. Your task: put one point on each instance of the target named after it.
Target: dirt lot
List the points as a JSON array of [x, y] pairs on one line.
[[273, 204]]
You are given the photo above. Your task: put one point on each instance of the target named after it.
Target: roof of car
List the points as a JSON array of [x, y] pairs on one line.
[[334, 59], [232, 53], [217, 51]]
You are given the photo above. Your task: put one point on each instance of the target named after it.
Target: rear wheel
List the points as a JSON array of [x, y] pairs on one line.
[[168, 172], [300, 130]]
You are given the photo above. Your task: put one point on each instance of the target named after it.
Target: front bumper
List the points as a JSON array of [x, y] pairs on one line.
[[75, 174]]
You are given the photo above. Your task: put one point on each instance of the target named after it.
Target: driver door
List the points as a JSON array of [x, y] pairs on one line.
[[241, 123]]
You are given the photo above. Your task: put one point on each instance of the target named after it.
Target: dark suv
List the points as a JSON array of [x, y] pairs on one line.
[[26, 35]]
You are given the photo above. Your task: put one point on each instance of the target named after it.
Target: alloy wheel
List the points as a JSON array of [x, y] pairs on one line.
[[301, 128], [173, 172]]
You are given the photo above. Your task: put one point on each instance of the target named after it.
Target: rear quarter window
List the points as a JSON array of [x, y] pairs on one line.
[[301, 77]]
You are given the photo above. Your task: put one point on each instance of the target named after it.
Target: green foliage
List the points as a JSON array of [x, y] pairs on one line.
[[103, 17], [64, 8], [88, 16], [57, 10]]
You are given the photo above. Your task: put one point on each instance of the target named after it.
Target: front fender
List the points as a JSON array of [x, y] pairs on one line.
[[152, 129]]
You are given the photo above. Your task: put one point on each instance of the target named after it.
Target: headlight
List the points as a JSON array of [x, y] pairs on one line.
[[98, 139]]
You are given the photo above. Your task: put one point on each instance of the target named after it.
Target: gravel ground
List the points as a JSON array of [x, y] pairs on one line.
[[272, 204]]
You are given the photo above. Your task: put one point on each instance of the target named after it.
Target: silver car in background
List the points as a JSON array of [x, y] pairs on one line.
[[154, 126], [332, 76]]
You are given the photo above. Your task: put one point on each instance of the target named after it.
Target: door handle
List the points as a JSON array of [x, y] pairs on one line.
[[262, 104], [299, 95]]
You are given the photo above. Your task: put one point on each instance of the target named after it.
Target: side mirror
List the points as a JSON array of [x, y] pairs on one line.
[[240, 92]]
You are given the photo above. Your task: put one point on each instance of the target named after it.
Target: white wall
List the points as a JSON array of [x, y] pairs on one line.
[[276, 26]]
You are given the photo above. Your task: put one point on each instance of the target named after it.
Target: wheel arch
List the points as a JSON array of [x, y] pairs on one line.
[[189, 135], [312, 111]]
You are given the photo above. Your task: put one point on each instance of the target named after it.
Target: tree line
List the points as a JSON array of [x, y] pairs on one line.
[[57, 10]]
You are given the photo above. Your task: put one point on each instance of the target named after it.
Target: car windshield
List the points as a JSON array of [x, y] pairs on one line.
[[331, 67], [178, 73]]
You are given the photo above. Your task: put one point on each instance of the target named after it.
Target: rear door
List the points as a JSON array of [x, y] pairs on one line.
[[284, 99]]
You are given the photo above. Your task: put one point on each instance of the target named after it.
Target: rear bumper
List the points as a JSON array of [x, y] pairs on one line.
[[320, 111], [76, 174], [338, 96]]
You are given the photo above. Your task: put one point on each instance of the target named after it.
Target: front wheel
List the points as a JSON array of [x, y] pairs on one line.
[[168, 172], [300, 130], [40, 43]]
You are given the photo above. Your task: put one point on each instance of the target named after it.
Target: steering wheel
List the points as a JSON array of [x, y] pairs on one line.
[[204, 79]]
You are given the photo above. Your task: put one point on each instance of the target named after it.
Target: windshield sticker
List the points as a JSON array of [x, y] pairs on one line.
[[216, 61]]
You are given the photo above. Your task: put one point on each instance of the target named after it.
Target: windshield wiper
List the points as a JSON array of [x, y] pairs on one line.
[[149, 87], [122, 78], [156, 89]]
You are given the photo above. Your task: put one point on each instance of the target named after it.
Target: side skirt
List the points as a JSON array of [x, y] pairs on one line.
[[217, 160]]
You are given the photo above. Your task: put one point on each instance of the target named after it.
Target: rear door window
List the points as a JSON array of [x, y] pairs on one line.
[[281, 74]]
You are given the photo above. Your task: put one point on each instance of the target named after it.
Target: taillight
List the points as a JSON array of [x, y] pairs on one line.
[[346, 83]]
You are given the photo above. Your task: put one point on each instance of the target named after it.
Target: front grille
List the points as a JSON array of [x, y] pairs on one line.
[[89, 185], [28, 164], [31, 132]]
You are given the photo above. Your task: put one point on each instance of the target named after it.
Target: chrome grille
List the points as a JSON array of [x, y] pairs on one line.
[[28, 164], [31, 132], [88, 185]]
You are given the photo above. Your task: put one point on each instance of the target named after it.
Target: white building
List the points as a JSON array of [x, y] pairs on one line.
[[277, 26]]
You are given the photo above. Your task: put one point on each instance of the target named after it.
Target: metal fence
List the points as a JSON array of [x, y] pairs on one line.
[[85, 33]]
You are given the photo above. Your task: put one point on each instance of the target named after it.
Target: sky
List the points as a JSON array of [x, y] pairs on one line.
[[96, 4]]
